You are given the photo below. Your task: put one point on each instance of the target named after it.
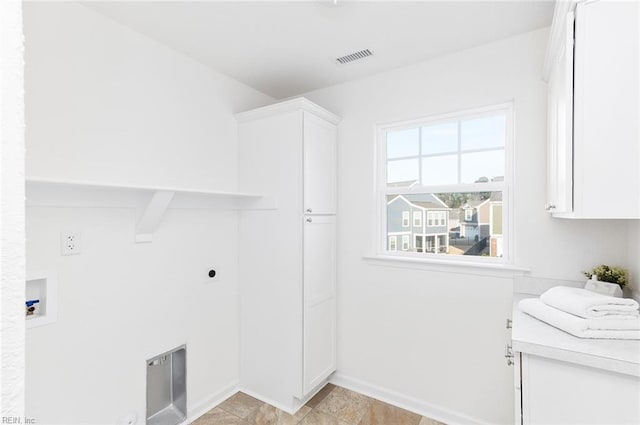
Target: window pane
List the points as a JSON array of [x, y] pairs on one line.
[[440, 138], [486, 132], [440, 170], [402, 143], [403, 172], [481, 167]]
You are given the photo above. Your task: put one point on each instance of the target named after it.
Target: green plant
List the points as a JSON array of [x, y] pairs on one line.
[[609, 274]]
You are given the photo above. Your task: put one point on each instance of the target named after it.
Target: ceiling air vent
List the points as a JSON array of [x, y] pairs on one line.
[[354, 56]]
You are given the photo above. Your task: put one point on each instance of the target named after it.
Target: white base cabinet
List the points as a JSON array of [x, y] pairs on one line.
[[287, 261], [560, 379], [555, 392]]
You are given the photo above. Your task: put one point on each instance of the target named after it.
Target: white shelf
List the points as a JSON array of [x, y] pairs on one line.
[[152, 200], [43, 287]]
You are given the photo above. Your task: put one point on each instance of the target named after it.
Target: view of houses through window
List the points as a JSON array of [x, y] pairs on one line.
[[467, 223], [445, 182]]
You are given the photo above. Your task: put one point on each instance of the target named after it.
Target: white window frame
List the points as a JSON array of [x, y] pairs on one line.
[[417, 214], [504, 186], [406, 220], [406, 242], [468, 214], [393, 239]]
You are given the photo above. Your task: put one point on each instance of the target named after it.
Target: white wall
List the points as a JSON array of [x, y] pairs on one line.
[[12, 221], [106, 103], [437, 339]]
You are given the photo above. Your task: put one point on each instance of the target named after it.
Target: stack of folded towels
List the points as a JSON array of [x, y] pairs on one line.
[[586, 314]]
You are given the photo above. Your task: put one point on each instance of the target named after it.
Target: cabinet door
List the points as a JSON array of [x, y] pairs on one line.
[[560, 127], [319, 358], [607, 106], [556, 392], [319, 165]]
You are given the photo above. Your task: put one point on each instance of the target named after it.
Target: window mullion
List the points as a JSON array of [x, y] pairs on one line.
[[459, 152], [420, 155], [471, 187]]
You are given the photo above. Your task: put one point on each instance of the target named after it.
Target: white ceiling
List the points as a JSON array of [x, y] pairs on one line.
[[288, 48]]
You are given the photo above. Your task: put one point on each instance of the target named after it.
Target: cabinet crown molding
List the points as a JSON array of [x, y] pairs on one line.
[[299, 103], [562, 8]]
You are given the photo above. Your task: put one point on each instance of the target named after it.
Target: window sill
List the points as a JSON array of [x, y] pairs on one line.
[[448, 266]]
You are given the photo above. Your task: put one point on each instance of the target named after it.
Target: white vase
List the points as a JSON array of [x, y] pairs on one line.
[[604, 288]]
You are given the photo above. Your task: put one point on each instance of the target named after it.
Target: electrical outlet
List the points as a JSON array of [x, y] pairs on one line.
[[70, 243]]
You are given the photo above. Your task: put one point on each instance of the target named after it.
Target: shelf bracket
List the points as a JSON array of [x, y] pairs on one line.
[[152, 215]]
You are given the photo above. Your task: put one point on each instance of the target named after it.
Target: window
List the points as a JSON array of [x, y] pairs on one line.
[[405, 218], [405, 242], [468, 214], [393, 243], [418, 243], [417, 218], [456, 170]]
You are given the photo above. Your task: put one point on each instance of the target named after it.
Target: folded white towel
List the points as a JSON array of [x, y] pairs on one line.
[[588, 304], [583, 328]]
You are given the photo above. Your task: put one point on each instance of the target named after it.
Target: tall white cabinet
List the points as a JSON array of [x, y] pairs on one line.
[[593, 71], [288, 255]]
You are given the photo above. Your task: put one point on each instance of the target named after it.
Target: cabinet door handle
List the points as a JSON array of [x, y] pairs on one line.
[[549, 207], [508, 352], [509, 323], [509, 355], [309, 219], [309, 210]]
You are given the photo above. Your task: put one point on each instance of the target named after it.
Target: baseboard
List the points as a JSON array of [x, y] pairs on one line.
[[212, 401], [286, 409], [405, 402]]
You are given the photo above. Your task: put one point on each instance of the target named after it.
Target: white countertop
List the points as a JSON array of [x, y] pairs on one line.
[[532, 336]]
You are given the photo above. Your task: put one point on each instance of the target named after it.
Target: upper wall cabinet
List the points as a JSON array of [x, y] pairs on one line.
[[593, 72], [319, 165]]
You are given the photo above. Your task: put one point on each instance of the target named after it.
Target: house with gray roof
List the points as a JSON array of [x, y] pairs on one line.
[[417, 223]]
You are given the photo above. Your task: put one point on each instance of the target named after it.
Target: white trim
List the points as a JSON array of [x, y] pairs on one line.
[[468, 217], [404, 401], [430, 218], [406, 241], [557, 34], [451, 263], [299, 103], [408, 219], [267, 400], [208, 403], [479, 112], [417, 214], [448, 188], [393, 238], [457, 152]]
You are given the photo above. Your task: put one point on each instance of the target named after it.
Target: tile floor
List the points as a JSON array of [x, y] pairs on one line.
[[331, 406]]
